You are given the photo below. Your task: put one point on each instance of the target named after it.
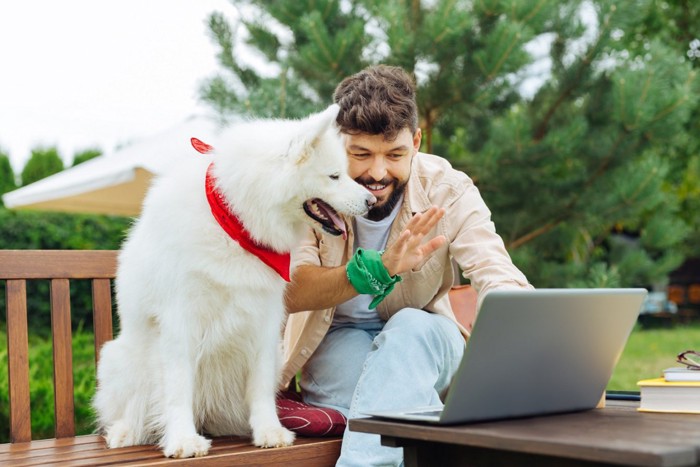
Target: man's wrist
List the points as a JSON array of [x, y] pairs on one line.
[[368, 275]]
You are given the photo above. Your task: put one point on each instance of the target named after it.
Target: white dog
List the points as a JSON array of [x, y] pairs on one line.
[[200, 316]]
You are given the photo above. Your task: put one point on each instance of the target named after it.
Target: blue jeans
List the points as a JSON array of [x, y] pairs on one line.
[[406, 362]]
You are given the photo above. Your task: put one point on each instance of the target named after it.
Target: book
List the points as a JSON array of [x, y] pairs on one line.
[[659, 395], [681, 374]]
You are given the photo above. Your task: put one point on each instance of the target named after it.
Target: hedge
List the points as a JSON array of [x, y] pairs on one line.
[[46, 231], [41, 384]]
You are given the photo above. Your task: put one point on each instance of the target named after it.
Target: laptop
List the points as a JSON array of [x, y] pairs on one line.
[[536, 352]]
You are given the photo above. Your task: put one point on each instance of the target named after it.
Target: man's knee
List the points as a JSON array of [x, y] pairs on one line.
[[415, 324]]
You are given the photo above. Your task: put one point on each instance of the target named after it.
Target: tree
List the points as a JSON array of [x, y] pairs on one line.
[[575, 173], [42, 163], [86, 155], [7, 175], [677, 24]]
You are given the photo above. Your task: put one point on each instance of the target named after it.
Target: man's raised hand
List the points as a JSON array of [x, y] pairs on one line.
[[407, 252]]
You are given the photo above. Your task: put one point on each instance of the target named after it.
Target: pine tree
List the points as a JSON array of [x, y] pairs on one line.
[[42, 163], [677, 24], [576, 175]]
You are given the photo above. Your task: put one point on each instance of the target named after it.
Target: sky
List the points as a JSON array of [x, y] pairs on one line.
[[81, 74]]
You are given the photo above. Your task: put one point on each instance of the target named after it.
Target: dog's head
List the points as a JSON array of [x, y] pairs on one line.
[[318, 156], [280, 175]]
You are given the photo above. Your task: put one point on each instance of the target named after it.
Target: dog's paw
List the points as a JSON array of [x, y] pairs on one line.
[[119, 435], [273, 437], [187, 446]]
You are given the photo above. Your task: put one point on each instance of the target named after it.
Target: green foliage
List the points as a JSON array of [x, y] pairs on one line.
[[7, 175], [45, 231], [241, 90], [86, 155], [42, 163], [37, 230], [586, 178], [41, 384], [677, 24]]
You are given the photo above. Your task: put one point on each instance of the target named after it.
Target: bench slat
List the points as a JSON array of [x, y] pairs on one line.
[[62, 358], [57, 264], [90, 450], [101, 314], [18, 361]]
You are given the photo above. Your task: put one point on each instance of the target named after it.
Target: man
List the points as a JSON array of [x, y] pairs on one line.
[[381, 333]]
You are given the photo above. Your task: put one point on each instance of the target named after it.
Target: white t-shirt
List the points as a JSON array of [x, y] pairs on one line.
[[369, 235]]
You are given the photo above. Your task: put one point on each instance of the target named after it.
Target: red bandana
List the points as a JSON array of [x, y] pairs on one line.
[[233, 227]]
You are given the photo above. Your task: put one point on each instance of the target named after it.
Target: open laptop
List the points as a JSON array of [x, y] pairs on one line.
[[536, 352]]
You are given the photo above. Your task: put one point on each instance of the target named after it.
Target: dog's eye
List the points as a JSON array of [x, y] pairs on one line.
[[334, 176]]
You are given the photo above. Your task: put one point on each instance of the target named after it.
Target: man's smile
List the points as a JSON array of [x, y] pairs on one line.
[[377, 189]]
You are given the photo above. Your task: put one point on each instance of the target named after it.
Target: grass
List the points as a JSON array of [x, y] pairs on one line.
[[649, 351]]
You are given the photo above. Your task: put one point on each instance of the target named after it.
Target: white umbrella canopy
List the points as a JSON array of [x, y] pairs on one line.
[[114, 183]]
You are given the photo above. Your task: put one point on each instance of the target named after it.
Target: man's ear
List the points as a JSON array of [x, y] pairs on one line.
[[311, 131], [417, 136]]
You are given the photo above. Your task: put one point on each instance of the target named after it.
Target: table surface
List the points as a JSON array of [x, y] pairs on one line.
[[616, 434]]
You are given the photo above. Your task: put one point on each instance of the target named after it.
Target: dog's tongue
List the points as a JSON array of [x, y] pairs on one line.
[[337, 221], [330, 213]]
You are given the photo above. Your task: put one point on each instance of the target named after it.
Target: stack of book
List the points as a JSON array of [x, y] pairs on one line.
[[678, 391]]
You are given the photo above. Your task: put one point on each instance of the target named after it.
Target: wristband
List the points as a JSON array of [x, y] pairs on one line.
[[367, 274]]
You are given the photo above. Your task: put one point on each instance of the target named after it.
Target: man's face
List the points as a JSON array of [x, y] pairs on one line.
[[381, 166]]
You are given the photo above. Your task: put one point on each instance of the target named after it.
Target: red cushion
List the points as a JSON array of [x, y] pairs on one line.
[[308, 420]]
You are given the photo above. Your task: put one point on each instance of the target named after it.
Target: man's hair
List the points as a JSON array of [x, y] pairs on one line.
[[380, 99]]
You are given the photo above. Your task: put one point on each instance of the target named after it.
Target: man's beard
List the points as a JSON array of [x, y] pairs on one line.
[[380, 212]]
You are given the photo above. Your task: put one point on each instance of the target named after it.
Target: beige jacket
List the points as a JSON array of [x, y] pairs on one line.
[[472, 242]]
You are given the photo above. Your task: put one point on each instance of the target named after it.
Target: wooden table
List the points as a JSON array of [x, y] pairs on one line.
[[615, 435]]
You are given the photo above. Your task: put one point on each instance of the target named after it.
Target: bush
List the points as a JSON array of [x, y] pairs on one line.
[[46, 231], [37, 230], [7, 175], [41, 384], [42, 163]]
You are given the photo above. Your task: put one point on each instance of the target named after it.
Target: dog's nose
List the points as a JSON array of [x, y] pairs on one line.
[[370, 201]]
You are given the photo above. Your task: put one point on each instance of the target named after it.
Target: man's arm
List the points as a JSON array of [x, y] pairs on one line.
[[318, 287]]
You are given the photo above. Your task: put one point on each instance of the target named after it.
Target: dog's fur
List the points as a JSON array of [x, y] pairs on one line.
[[200, 318]]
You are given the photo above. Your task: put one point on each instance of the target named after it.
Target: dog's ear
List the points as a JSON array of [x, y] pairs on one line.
[[322, 120], [312, 129]]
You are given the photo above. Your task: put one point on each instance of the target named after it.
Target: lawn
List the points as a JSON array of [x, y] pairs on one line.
[[649, 351]]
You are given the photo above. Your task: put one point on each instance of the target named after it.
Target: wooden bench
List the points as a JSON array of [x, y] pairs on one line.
[[60, 267]]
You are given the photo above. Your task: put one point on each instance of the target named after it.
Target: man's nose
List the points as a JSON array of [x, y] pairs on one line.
[[378, 169]]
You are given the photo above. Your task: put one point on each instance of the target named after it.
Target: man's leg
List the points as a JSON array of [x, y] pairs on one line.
[[410, 364], [330, 376]]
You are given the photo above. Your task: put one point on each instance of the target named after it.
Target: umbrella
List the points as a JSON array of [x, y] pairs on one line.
[[114, 183]]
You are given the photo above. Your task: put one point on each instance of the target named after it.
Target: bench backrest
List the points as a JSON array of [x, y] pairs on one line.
[[59, 267]]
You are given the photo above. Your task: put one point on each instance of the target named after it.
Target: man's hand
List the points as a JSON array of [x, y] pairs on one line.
[[407, 252]]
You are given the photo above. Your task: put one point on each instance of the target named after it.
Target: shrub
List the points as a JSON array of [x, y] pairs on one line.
[[41, 385], [45, 231]]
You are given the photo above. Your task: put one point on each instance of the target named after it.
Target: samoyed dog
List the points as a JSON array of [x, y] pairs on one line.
[[200, 285]]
